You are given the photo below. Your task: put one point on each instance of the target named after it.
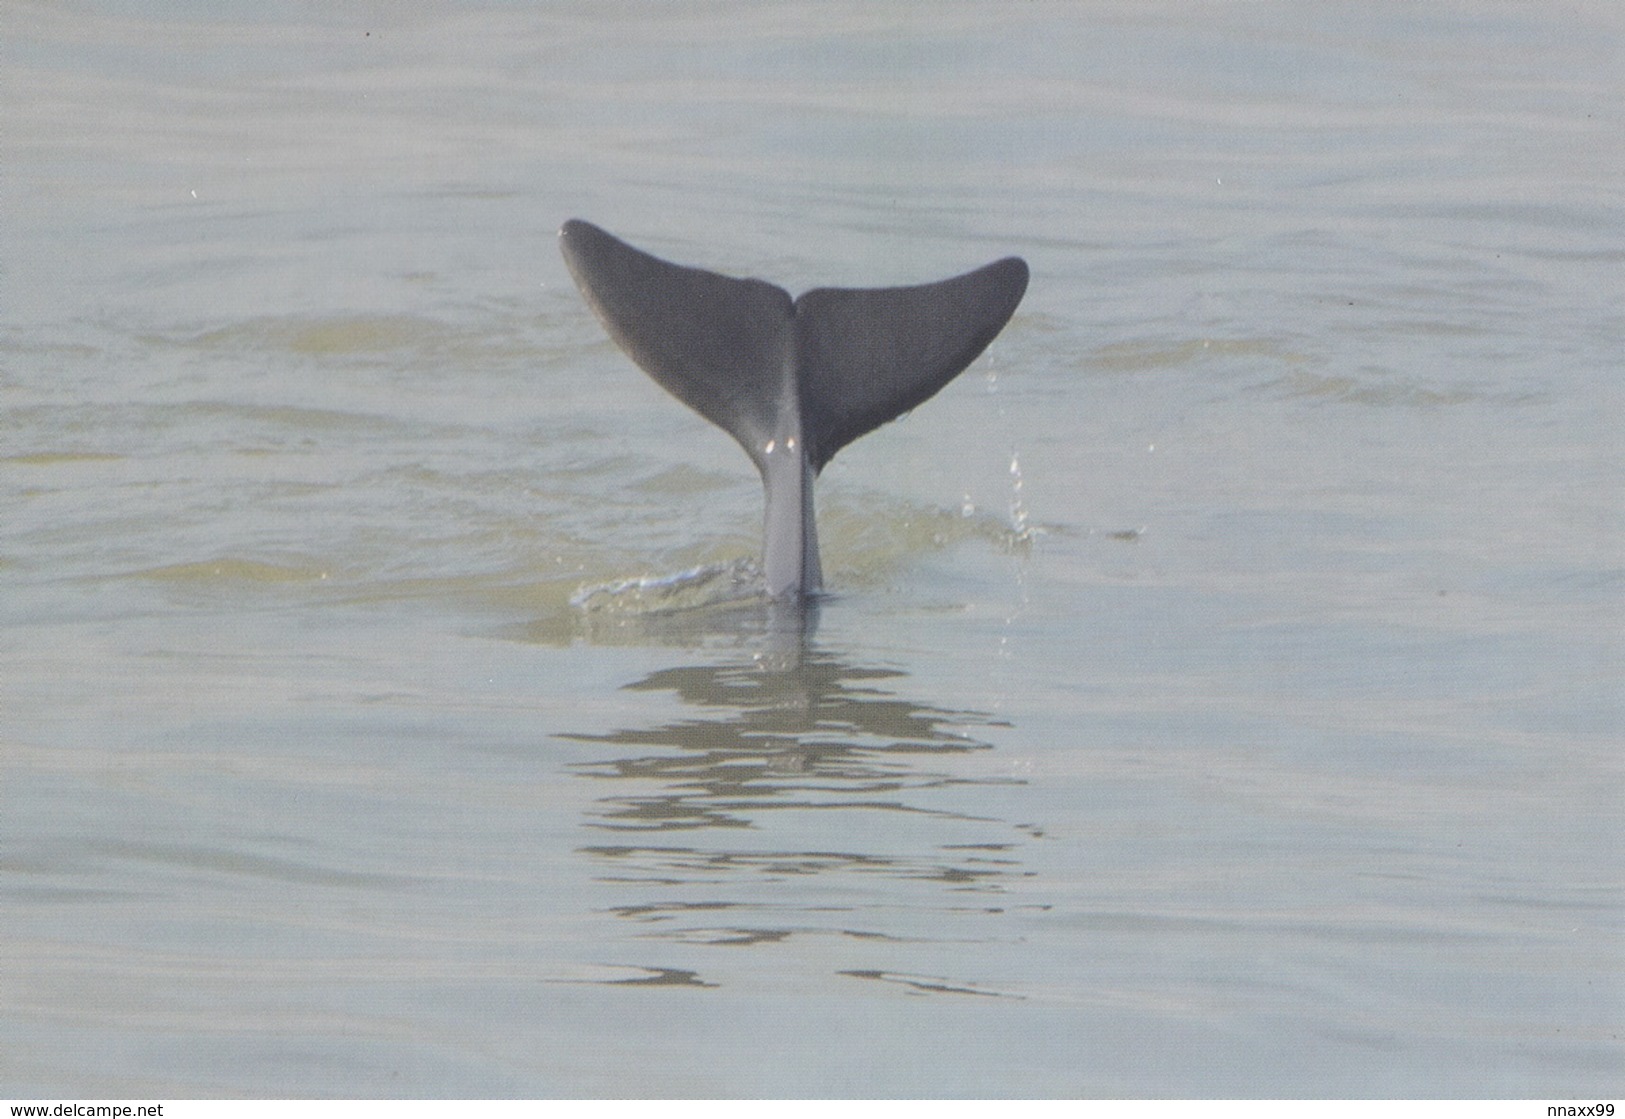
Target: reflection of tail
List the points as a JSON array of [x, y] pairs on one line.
[[792, 381]]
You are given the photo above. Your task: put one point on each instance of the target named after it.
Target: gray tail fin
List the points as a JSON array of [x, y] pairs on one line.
[[720, 345], [854, 358], [804, 377], [867, 355]]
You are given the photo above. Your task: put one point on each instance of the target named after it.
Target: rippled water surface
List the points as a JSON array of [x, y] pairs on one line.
[[1220, 688]]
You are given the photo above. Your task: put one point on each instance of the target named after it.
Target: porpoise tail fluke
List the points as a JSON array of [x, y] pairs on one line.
[[793, 381]]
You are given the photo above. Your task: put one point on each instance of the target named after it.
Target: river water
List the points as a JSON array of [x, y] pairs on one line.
[[1220, 689]]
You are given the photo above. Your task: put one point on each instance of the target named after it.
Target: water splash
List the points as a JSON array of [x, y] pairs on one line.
[[739, 582], [1022, 530]]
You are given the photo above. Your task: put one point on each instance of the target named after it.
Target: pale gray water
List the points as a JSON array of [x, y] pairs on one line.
[[1221, 693]]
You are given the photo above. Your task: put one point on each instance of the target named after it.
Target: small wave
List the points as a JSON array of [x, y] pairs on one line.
[[1372, 387], [1157, 354], [328, 335], [60, 458], [231, 570], [737, 583]]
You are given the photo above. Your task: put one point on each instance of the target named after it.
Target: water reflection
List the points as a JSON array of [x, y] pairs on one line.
[[800, 794], [819, 734]]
